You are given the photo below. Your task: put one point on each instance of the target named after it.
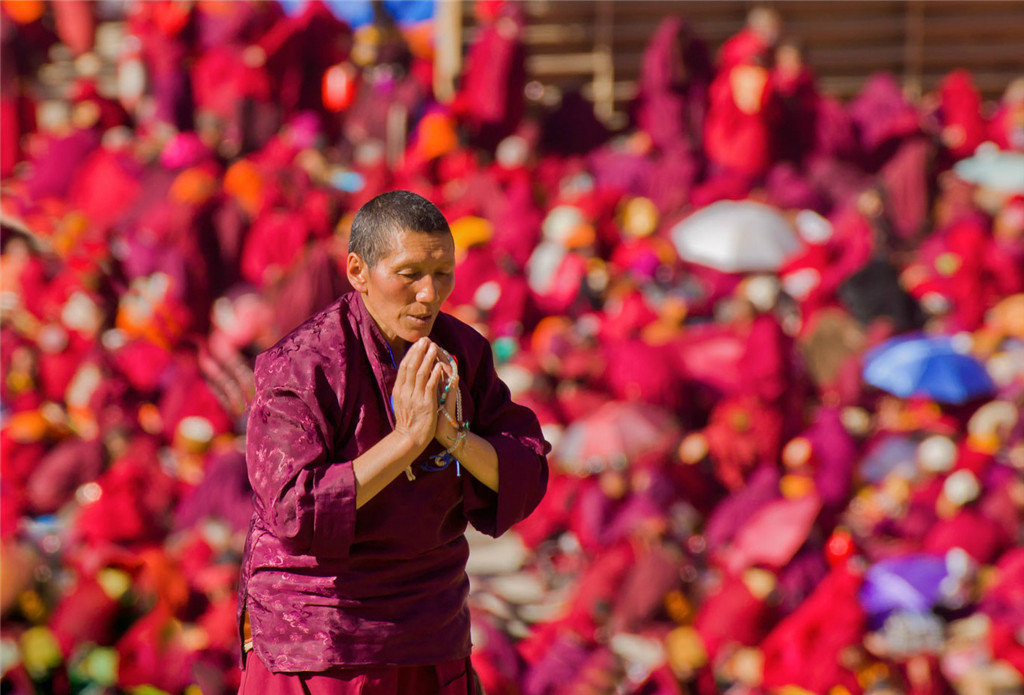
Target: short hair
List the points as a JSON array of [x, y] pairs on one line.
[[376, 223]]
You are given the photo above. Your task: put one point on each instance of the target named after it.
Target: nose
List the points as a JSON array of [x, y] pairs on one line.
[[426, 291]]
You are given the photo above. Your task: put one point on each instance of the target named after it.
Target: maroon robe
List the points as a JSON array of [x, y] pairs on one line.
[[326, 585]]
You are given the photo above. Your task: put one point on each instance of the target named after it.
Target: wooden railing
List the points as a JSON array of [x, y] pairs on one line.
[[598, 44]]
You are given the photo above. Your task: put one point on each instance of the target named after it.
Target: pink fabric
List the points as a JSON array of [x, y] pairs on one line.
[[454, 677]]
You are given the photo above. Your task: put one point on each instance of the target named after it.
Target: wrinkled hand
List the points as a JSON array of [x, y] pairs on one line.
[[415, 393]]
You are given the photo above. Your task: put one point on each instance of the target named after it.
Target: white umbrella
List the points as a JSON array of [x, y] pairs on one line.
[[736, 237], [993, 168]]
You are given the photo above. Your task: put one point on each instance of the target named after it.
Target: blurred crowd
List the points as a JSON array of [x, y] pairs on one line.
[[776, 340]]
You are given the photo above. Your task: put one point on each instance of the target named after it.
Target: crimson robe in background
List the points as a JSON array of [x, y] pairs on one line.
[[313, 283], [805, 648], [221, 80], [906, 180], [769, 375], [743, 47], [164, 31], [969, 281], [673, 86], [960, 111], [730, 614], [882, 117], [111, 112], [737, 143], [1006, 128], [53, 169], [797, 130], [835, 454], [1003, 602], [274, 243], [67, 466], [234, 24], [298, 50], [105, 186], [491, 100]]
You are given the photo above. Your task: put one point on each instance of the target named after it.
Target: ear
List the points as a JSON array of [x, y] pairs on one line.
[[358, 273]]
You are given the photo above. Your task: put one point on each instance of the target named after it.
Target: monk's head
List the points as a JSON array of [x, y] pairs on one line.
[[401, 259]]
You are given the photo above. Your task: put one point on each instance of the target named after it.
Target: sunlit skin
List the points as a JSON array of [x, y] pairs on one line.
[[403, 293]]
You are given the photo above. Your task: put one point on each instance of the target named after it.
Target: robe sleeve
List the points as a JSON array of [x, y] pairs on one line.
[[302, 497], [515, 434]]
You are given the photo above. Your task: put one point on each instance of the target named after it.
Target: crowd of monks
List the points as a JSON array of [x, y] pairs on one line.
[[732, 508]]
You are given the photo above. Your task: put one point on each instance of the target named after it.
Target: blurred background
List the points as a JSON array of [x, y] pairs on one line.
[[757, 267]]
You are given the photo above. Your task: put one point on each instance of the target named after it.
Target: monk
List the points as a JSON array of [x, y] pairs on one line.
[[378, 432]]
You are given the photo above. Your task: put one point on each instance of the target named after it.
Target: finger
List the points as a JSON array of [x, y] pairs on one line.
[[403, 367], [414, 354], [424, 377], [434, 382], [447, 360], [410, 362], [426, 367], [401, 387]]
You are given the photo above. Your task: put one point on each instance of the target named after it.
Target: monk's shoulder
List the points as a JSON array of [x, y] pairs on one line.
[[317, 347]]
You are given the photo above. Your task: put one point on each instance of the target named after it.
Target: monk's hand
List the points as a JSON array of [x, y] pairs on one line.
[[415, 393]]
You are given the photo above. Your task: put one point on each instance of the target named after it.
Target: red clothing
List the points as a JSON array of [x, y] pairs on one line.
[[730, 614], [805, 648], [326, 585], [491, 101], [737, 142], [963, 125]]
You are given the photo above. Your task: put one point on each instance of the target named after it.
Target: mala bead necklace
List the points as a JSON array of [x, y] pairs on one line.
[[461, 427], [441, 461]]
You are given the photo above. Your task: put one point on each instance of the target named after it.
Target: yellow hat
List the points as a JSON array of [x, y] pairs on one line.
[[685, 649], [639, 217], [436, 135], [193, 186], [24, 11], [243, 181], [793, 485], [471, 231]]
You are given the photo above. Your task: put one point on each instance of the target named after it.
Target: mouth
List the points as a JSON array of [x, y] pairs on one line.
[[421, 319]]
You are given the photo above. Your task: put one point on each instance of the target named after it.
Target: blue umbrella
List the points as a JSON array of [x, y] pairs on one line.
[[928, 366], [358, 13], [909, 584]]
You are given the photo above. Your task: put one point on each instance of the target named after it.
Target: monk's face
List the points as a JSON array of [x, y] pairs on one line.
[[404, 291]]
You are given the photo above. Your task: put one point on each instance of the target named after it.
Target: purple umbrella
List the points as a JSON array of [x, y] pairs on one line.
[[912, 584]]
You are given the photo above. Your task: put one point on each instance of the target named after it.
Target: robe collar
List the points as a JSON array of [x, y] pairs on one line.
[[383, 361]]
